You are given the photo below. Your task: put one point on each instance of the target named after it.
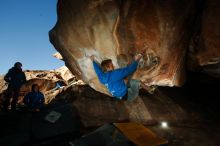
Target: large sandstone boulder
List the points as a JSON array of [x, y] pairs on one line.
[[120, 29], [170, 30]]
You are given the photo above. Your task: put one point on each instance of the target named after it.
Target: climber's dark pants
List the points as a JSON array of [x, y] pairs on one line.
[[133, 90], [13, 93]]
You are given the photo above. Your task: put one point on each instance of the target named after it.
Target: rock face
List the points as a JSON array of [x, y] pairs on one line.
[[109, 110], [204, 52], [58, 55], [120, 29], [3, 86], [45, 79], [61, 73], [65, 73], [209, 45]]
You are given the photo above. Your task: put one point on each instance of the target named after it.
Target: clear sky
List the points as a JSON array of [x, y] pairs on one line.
[[24, 27]]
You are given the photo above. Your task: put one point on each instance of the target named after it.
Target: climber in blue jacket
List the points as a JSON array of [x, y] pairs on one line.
[[113, 78], [34, 100]]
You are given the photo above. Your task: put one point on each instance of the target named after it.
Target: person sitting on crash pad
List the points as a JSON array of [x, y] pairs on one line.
[[34, 100]]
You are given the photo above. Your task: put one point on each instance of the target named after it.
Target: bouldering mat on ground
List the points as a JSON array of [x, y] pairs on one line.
[[140, 135], [120, 134], [107, 135]]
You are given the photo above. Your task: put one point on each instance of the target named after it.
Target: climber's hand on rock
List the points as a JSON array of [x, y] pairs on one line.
[[137, 57], [143, 51]]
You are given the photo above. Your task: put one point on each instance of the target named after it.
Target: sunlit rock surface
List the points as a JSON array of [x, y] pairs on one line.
[[61, 73], [120, 29], [46, 79], [65, 73], [3, 86], [58, 55]]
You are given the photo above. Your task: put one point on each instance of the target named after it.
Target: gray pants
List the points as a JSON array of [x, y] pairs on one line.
[[133, 89]]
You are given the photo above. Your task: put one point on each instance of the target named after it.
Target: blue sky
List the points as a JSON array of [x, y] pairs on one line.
[[24, 26]]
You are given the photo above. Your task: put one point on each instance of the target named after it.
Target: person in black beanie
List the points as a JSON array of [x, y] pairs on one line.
[[15, 79]]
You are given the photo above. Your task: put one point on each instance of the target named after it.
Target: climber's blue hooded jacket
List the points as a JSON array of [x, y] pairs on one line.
[[114, 80], [34, 100]]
